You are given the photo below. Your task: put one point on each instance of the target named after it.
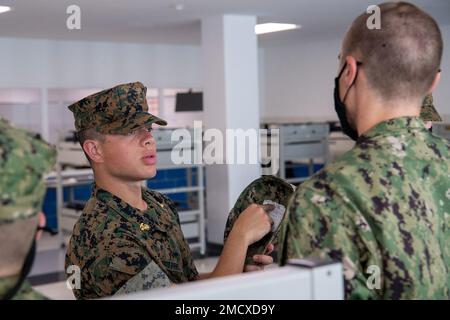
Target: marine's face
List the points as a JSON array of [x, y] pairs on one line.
[[130, 157]]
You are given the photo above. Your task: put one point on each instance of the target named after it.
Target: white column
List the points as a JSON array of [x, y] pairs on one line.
[[161, 104], [45, 123], [231, 101]]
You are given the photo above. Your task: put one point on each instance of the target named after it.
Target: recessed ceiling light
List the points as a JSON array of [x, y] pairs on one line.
[[178, 6], [274, 27], [4, 9]]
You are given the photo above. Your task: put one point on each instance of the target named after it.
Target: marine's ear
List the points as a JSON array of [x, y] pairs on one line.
[[93, 150]]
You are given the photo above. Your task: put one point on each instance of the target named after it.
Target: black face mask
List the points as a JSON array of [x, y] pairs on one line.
[[26, 268], [340, 107]]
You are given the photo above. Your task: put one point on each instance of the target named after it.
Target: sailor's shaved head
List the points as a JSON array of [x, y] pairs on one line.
[[402, 58]]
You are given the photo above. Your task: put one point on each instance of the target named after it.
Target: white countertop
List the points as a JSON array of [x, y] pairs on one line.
[[56, 291]]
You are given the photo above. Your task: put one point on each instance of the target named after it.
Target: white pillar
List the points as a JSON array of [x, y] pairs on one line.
[[231, 101], [45, 126], [161, 104]]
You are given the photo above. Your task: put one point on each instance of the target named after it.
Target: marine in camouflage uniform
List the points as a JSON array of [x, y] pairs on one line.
[[264, 188], [385, 203], [24, 159], [121, 249]]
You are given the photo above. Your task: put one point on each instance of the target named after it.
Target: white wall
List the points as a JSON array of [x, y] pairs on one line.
[[36, 64], [71, 64], [294, 80], [299, 79], [442, 93]]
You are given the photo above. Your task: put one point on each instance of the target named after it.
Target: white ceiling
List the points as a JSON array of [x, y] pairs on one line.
[[156, 21]]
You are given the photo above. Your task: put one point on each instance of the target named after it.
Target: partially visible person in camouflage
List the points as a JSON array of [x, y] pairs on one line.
[[383, 208], [24, 159], [428, 113], [262, 189], [129, 238]]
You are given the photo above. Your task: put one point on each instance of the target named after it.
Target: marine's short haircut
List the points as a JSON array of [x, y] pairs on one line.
[[402, 58], [89, 134]]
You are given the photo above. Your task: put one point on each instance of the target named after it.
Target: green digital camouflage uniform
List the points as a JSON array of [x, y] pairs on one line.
[[384, 204], [428, 112], [264, 188], [24, 159], [121, 249], [26, 292]]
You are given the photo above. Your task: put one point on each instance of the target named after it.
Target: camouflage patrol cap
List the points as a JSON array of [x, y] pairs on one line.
[[428, 112], [265, 188], [24, 159], [118, 110]]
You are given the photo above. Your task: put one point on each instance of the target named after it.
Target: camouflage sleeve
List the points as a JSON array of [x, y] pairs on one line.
[[26, 292], [127, 267], [320, 226]]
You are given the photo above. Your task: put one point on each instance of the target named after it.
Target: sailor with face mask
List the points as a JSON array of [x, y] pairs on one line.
[[382, 208]]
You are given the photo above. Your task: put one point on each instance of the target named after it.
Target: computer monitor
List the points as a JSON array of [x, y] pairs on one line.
[[189, 101]]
